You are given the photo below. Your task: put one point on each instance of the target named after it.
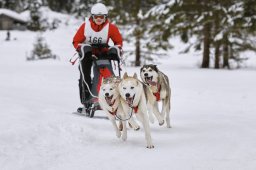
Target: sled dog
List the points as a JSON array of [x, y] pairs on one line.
[[133, 99], [159, 84], [109, 100]]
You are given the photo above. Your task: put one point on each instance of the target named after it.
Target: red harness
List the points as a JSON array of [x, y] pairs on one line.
[[135, 109], [157, 94]]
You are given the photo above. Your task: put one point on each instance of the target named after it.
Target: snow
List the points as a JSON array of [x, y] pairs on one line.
[[213, 115], [218, 36], [12, 14]]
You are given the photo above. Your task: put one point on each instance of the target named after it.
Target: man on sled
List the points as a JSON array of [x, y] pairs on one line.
[[91, 43]]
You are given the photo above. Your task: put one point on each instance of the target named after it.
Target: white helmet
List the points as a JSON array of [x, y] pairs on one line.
[[99, 9]]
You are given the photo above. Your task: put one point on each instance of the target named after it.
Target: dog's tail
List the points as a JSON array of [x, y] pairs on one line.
[[168, 101], [168, 106]]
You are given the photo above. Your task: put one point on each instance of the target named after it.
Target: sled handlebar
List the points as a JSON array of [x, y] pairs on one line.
[[95, 45], [100, 45], [105, 57], [101, 56]]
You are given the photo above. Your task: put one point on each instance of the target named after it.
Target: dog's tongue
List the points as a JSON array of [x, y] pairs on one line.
[[129, 100], [152, 83], [108, 100]]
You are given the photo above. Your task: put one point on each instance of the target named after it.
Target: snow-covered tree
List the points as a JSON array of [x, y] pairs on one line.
[[41, 50], [131, 15], [35, 15], [219, 25], [9, 4]]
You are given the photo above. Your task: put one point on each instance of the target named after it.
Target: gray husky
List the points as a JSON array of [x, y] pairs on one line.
[[159, 84]]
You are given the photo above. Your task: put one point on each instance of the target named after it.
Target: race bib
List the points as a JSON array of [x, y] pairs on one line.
[[93, 37]]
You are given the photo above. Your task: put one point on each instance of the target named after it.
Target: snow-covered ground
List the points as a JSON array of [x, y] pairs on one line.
[[213, 115]]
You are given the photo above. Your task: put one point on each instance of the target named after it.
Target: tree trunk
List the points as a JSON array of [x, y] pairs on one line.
[[207, 42], [217, 43], [217, 55], [137, 43], [225, 51], [137, 52]]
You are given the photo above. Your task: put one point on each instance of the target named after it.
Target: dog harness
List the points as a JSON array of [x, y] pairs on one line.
[[113, 113], [157, 94], [135, 108]]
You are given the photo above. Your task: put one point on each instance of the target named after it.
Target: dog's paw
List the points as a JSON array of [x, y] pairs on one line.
[[120, 127], [169, 126], [118, 134], [124, 137], [161, 123], [137, 128], [150, 146]]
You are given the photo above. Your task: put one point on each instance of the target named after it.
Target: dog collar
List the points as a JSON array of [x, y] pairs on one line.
[[135, 108], [113, 113]]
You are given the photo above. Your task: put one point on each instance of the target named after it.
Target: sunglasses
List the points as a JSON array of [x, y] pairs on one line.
[[98, 16]]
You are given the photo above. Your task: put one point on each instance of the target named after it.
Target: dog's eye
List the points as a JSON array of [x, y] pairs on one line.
[[132, 87], [143, 70], [150, 70], [110, 89], [103, 89], [124, 88]]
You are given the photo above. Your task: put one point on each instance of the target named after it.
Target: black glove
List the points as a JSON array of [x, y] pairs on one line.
[[87, 52], [79, 52], [113, 53]]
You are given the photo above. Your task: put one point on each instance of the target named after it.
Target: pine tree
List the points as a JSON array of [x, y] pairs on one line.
[[222, 25], [82, 8], [9, 4], [60, 5], [41, 50], [35, 24], [131, 15]]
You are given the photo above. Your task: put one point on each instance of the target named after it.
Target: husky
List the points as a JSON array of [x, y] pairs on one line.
[[159, 84], [133, 99], [109, 100]]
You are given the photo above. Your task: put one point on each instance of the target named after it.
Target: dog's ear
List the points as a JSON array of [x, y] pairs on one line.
[[155, 68], [125, 75], [142, 68], [135, 76]]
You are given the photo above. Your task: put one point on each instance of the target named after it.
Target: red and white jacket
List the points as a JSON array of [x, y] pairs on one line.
[[113, 34]]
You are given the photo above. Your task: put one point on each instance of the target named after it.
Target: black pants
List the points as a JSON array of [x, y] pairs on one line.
[[86, 63], [83, 90]]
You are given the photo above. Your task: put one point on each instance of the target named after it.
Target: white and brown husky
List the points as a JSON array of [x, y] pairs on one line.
[[133, 99], [109, 100]]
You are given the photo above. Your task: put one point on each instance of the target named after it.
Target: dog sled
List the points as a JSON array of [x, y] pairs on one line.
[[102, 68]]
